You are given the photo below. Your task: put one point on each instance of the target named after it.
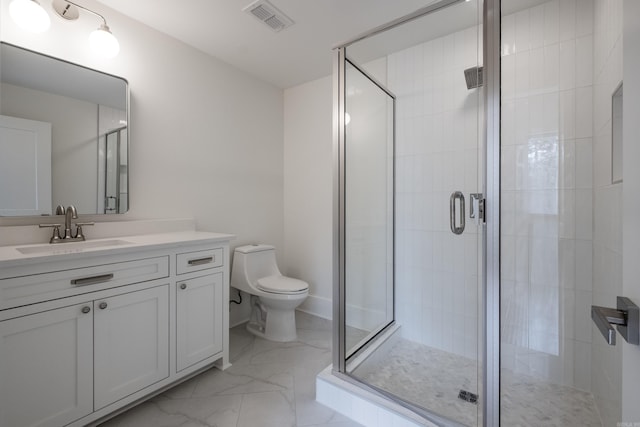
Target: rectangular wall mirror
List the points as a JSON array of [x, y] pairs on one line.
[[64, 136]]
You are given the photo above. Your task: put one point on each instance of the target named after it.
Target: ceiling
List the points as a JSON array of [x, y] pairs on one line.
[[295, 55], [302, 52]]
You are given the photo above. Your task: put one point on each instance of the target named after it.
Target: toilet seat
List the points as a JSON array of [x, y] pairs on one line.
[[281, 285]]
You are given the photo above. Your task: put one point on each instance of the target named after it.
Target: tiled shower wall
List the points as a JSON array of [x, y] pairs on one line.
[[606, 361], [546, 224], [436, 154]]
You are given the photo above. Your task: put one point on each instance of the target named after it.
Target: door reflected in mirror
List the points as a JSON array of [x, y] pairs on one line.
[[63, 136]]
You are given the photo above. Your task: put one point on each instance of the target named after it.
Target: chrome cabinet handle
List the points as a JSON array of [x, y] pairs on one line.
[[103, 305], [92, 280], [456, 195], [183, 286], [200, 261], [86, 309]]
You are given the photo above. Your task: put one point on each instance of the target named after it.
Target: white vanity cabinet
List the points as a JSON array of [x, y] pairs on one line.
[[198, 312], [131, 343], [46, 369], [86, 334]]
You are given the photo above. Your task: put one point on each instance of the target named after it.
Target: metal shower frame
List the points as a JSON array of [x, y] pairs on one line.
[[491, 232]]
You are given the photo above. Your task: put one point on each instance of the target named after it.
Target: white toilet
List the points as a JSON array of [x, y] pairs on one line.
[[274, 297]]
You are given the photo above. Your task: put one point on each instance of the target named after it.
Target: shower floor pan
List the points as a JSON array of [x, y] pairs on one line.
[[438, 381]]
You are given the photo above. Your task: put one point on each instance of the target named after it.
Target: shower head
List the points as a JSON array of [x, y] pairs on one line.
[[473, 76]]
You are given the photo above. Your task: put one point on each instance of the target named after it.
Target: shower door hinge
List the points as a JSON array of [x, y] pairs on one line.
[[477, 211]]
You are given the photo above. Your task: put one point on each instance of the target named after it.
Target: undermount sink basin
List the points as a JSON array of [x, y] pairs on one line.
[[63, 248]]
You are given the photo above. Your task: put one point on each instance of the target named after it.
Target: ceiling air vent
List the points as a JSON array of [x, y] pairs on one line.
[[269, 14]]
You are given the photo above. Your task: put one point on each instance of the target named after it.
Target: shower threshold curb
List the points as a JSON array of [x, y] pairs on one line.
[[363, 406]]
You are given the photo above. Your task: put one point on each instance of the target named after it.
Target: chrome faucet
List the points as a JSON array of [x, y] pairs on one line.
[[69, 214]]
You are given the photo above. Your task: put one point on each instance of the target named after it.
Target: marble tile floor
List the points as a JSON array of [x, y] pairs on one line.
[[269, 384], [432, 379]]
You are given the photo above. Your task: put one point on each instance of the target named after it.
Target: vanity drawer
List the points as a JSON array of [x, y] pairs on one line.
[[198, 260], [36, 288]]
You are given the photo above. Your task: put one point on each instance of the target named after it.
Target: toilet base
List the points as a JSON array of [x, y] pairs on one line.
[[280, 326]]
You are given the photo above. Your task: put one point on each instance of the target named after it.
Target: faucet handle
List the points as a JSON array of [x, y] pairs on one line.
[[79, 226], [55, 238]]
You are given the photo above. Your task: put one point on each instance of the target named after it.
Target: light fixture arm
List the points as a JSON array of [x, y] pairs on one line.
[[104, 21]]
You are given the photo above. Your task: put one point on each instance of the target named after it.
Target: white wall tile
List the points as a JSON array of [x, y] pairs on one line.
[[537, 70], [566, 214], [567, 164], [583, 316], [584, 163], [536, 26], [567, 76], [567, 14], [508, 70], [522, 31], [582, 365], [584, 61], [584, 18], [551, 22], [522, 121], [584, 214], [584, 270], [584, 112], [551, 69], [508, 168], [522, 74], [567, 263]]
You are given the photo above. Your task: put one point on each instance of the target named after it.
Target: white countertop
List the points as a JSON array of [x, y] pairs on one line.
[[11, 256]]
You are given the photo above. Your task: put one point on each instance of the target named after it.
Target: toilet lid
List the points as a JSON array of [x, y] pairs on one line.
[[281, 285]]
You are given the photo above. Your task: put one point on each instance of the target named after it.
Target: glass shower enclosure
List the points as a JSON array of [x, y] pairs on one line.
[[115, 185], [410, 175]]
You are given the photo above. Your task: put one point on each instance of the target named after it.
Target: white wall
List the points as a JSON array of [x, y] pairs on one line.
[[308, 192], [206, 138]]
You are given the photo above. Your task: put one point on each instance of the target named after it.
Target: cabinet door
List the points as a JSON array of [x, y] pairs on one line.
[[199, 319], [131, 348], [46, 367]]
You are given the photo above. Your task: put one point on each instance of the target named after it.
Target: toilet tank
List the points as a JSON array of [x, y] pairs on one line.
[[253, 262]]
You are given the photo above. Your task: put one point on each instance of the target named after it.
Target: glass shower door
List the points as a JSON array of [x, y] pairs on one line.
[[115, 171], [368, 208], [412, 175]]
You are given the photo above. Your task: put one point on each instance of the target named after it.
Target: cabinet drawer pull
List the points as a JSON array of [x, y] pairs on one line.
[[103, 305], [86, 309], [92, 280], [183, 286], [200, 261]]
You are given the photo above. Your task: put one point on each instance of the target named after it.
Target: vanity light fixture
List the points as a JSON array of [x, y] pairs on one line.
[[29, 15], [102, 40]]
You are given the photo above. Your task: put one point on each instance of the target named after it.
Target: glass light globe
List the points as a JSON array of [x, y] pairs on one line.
[[104, 43], [29, 15]]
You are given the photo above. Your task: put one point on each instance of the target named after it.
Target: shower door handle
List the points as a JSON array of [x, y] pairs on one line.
[[456, 195]]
